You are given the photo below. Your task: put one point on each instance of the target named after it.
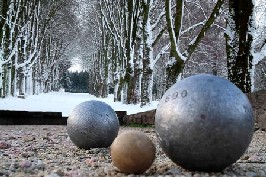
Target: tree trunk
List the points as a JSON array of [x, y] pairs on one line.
[[147, 72], [174, 68], [128, 85], [238, 43]]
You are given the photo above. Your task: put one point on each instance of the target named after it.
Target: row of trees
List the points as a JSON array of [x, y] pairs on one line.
[[34, 38], [141, 47], [135, 48]]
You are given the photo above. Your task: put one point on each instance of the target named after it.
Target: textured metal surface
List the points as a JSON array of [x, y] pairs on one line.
[[204, 123], [92, 124]]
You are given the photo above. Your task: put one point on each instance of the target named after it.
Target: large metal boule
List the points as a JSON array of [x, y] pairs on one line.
[[92, 124], [204, 123]]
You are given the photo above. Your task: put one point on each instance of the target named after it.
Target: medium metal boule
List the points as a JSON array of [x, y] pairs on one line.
[[92, 124], [204, 123]]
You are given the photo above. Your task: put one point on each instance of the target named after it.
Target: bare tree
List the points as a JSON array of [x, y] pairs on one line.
[[238, 43], [181, 55]]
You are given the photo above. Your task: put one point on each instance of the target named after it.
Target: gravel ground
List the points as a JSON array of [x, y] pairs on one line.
[[47, 151]]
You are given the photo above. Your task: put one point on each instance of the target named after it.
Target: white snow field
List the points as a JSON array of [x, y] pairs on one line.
[[65, 102]]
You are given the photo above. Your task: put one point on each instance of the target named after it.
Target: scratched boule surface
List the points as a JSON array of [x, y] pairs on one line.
[[47, 151], [202, 119]]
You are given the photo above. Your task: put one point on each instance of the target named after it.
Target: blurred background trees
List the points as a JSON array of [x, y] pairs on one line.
[[35, 38]]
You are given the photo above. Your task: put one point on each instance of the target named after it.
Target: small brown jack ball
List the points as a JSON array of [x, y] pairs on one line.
[[132, 152]]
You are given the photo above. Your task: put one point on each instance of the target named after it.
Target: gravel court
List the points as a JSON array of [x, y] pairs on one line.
[[37, 151]]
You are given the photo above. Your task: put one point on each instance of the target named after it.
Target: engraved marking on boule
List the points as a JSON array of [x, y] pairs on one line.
[[167, 99], [175, 95], [184, 93]]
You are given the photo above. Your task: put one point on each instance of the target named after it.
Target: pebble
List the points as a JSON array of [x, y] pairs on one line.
[[26, 154], [53, 175], [28, 138], [4, 145], [4, 173], [72, 173], [173, 172], [58, 172], [25, 164]]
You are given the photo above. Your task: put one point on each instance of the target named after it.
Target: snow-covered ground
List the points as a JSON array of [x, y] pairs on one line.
[[65, 102]]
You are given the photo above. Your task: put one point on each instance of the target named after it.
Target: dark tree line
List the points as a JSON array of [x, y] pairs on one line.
[[76, 82]]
